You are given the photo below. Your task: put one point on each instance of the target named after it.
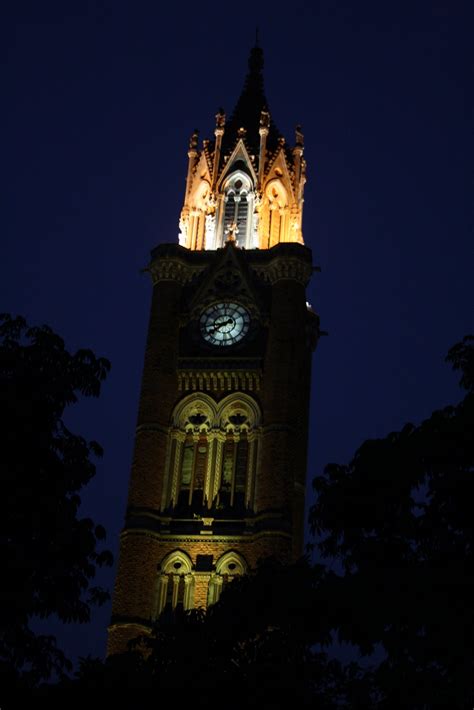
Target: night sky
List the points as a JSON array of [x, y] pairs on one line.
[[99, 100]]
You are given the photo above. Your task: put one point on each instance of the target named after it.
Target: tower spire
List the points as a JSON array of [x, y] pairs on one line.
[[248, 182], [251, 102]]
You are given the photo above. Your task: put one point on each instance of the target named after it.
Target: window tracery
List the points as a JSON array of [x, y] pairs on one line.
[[228, 567], [212, 453], [238, 206], [175, 587]]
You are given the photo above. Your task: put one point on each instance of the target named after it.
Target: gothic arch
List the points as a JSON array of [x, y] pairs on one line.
[[175, 583], [238, 412], [212, 452], [237, 201], [235, 176], [230, 565], [196, 412], [173, 559]]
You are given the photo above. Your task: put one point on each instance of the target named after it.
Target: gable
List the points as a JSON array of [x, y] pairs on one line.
[[228, 277], [278, 170], [239, 160]]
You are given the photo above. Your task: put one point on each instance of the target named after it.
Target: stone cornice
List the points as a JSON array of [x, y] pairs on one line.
[[223, 380], [285, 261], [285, 268], [216, 538], [173, 269]]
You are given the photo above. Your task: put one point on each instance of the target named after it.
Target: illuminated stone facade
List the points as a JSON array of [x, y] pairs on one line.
[[247, 183], [219, 467]]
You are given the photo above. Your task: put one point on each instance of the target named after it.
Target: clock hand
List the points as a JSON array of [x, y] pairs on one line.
[[218, 326]]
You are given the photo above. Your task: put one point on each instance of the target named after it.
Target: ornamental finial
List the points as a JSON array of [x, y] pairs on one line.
[[299, 137], [220, 118], [193, 141], [264, 118]]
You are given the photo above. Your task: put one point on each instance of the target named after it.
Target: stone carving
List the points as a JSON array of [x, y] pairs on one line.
[[172, 270], [286, 268]]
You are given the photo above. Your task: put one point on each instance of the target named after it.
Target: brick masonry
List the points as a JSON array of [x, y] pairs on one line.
[[284, 344]]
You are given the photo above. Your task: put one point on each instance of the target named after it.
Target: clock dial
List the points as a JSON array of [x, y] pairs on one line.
[[224, 323]]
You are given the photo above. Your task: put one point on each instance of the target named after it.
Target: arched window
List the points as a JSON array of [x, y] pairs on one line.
[[193, 470], [187, 467], [229, 566], [234, 471], [187, 472], [239, 419], [240, 468], [212, 453], [175, 583], [238, 205]]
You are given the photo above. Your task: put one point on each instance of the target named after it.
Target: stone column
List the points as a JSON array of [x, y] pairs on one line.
[[192, 155], [188, 601], [162, 588]]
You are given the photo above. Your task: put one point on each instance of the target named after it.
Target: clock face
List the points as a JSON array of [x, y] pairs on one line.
[[224, 323]]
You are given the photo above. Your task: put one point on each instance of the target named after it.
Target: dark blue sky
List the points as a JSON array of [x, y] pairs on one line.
[[99, 101]]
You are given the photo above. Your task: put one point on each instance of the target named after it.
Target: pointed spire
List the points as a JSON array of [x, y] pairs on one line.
[[251, 103]]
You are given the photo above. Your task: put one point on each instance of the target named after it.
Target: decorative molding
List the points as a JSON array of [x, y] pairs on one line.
[[152, 427], [284, 269], [119, 621], [166, 269], [217, 538], [212, 381]]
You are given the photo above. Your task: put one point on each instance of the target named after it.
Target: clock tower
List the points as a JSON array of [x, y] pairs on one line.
[[219, 467]]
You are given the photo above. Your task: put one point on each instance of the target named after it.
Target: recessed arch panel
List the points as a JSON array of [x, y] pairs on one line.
[[176, 562], [231, 563]]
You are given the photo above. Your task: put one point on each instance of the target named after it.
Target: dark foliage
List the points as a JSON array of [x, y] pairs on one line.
[[399, 519], [265, 638], [49, 553]]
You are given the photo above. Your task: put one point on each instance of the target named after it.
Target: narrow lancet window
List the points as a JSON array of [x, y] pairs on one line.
[[225, 495], [213, 453], [199, 472], [234, 472], [238, 209], [240, 476], [187, 464]]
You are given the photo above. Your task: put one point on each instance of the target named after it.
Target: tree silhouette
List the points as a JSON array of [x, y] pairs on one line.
[[49, 553], [264, 639], [399, 519]]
